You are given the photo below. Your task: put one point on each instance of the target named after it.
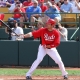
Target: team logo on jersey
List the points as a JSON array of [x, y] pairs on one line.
[[49, 38]]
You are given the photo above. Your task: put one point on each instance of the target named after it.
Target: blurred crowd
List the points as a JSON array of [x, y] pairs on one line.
[[62, 5], [46, 7], [32, 11]]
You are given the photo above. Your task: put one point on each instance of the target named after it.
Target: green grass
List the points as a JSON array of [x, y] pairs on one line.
[[37, 72]]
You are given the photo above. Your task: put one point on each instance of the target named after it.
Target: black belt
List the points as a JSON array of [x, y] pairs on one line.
[[48, 48]]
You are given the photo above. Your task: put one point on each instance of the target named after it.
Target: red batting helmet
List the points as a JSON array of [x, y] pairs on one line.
[[51, 21], [41, 0]]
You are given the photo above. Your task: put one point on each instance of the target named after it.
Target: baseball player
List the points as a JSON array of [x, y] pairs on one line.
[[50, 39]]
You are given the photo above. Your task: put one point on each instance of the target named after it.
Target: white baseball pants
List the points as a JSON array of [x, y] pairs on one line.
[[53, 53]]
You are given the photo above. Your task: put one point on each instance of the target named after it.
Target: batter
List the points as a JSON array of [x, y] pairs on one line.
[[50, 39]]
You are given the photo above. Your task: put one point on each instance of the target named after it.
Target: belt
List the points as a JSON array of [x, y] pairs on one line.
[[48, 48]]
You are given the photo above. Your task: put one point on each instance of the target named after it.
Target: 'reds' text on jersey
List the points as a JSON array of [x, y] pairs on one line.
[[47, 37]]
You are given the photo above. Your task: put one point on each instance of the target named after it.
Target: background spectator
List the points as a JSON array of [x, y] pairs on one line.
[[54, 3], [22, 1], [39, 25], [33, 12], [18, 30], [19, 16], [63, 32], [49, 13], [59, 3], [27, 3], [76, 6], [42, 5], [9, 2], [12, 6], [3, 3], [66, 7]]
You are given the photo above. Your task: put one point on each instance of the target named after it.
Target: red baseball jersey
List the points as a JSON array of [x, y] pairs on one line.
[[18, 15], [47, 37]]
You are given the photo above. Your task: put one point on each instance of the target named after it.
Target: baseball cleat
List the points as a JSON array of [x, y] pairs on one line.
[[65, 77], [28, 78]]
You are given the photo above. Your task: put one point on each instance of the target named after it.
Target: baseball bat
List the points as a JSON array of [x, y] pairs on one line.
[[8, 27]]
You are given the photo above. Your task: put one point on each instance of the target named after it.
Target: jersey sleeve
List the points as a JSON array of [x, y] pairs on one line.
[[37, 33], [56, 40]]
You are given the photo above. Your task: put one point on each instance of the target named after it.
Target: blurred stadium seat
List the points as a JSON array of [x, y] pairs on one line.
[[69, 18], [1, 18], [5, 10]]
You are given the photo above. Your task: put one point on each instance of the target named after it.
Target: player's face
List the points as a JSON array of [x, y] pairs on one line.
[[49, 26]]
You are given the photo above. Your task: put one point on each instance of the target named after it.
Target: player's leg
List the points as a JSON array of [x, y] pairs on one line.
[[40, 56], [53, 53]]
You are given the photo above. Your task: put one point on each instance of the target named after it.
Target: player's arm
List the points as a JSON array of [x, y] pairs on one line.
[[25, 36], [35, 34], [28, 35]]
